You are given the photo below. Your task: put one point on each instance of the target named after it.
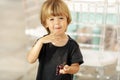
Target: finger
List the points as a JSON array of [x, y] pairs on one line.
[[54, 33], [66, 68], [50, 37], [62, 71]]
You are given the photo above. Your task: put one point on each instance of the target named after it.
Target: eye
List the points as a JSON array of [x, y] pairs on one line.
[[61, 18], [51, 19]]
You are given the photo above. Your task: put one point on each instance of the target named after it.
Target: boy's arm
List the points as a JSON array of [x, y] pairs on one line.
[[74, 68], [34, 52]]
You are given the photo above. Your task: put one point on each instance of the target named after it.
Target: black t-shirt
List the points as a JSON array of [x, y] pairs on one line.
[[51, 56]]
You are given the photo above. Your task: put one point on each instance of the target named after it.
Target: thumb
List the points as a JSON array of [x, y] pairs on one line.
[[66, 68]]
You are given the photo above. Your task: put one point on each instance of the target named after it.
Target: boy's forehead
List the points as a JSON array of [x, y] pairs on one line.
[[51, 16], [55, 13]]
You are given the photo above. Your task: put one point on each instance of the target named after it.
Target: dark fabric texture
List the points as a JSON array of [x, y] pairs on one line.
[[51, 56]]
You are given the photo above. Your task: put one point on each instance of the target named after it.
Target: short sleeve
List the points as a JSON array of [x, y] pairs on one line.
[[42, 49], [35, 42], [76, 56]]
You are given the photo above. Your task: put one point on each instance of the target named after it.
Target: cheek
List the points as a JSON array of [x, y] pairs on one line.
[[48, 24], [65, 25]]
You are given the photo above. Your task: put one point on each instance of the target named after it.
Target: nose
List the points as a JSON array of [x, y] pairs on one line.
[[56, 21]]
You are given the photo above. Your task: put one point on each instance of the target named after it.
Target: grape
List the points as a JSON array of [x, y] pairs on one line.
[[58, 69]]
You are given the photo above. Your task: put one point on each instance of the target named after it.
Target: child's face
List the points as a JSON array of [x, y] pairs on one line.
[[57, 24]]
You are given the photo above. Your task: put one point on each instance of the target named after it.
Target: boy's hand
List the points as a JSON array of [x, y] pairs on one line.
[[65, 69], [47, 39], [72, 69]]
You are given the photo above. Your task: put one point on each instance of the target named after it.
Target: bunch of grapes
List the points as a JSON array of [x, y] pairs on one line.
[[58, 69]]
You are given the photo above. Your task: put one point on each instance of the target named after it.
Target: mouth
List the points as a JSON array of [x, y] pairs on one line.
[[57, 27]]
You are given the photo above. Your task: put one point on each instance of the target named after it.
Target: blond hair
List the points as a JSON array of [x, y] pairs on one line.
[[54, 8]]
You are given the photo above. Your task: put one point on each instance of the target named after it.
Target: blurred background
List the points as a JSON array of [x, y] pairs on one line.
[[95, 26]]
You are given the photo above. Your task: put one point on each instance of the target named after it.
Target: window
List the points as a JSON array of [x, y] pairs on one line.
[[94, 23]]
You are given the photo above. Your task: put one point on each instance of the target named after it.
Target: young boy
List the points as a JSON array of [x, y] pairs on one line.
[[58, 54]]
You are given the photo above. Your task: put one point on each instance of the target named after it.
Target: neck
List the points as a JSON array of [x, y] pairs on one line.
[[60, 40], [62, 36]]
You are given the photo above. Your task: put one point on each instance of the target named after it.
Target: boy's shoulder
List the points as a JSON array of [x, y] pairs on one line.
[[72, 41]]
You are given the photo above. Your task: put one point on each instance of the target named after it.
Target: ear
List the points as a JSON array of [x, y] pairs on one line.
[[46, 26]]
